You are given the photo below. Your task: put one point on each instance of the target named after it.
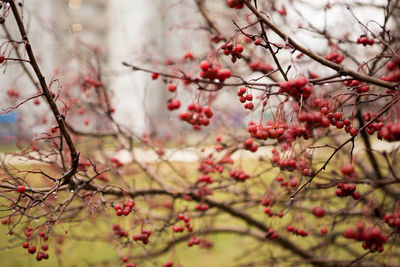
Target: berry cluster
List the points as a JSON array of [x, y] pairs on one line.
[[349, 171], [372, 237], [212, 72], [125, 209], [271, 234], [336, 119], [291, 165], [206, 179], [116, 162], [197, 115], [186, 220], [32, 249], [296, 88], [269, 211], [42, 255], [364, 40], [360, 87], [239, 175], [249, 145], [89, 82], [273, 130], [345, 190], [296, 231], [261, 67], [249, 97], [201, 207], [293, 182], [201, 193], [118, 231], [393, 220], [390, 132], [144, 236], [267, 202], [238, 4], [173, 104], [311, 120], [193, 241], [234, 51], [207, 166], [13, 93], [334, 57], [374, 126]]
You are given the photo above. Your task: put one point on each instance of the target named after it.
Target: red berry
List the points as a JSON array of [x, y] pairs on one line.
[[31, 249], [21, 189], [318, 212], [25, 244], [324, 230], [204, 65], [172, 87], [155, 75]]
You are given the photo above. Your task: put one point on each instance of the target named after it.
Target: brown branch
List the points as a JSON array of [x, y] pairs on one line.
[[339, 68], [46, 92]]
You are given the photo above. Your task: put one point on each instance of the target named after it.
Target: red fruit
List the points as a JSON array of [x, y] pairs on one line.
[[45, 247], [249, 97], [25, 244], [208, 112], [347, 169], [225, 74], [125, 259], [131, 203], [249, 106], [353, 131], [300, 82], [239, 48], [241, 91], [391, 65], [155, 75], [126, 211], [21, 189], [318, 212], [31, 249], [204, 65], [293, 182], [172, 87], [349, 233], [2, 59], [324, 230], [356, 195]]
